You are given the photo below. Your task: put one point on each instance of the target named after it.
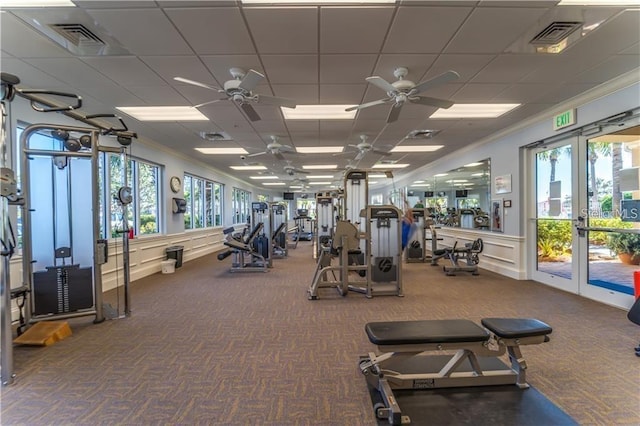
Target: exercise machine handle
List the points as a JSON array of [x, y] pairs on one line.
[[110, 130], [35, 104]]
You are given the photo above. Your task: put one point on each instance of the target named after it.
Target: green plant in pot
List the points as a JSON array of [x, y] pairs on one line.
[[626, 246]]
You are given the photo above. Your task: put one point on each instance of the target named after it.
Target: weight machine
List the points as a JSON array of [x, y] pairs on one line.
[[278, 221], [325, 222], [68, 282], [415, 250]]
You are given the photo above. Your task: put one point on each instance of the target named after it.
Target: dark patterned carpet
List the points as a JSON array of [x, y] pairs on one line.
[[204, 346]]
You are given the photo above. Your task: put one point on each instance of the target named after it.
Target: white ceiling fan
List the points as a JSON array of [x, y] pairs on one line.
[[401, 91], [363, 148], [275, 148], [239, 90], [292, 170]]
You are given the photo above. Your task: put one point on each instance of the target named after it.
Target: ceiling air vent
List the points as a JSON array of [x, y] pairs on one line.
[[555, 32], [77, 34]]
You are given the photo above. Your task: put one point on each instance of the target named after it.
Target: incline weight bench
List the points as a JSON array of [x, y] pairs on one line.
[[408, 360]]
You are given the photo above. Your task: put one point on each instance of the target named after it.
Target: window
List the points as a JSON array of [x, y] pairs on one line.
[[143, 214], [241, 206], [204, 203]]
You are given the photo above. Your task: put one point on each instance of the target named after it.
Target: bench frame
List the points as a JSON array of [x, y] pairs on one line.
[[381, 375]]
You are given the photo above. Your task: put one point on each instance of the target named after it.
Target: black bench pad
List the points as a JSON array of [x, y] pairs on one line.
[[425, 331], [238, 245], [512, 328]]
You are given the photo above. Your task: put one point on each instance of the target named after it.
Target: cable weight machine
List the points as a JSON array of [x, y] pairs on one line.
[[76, 152]]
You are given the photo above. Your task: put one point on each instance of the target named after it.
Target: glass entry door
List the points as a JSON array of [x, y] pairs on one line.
[[555, 261], [586, 215], [611, 235]]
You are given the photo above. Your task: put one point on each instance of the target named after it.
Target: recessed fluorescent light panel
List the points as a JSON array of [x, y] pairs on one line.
[[441, 174], [319, 149], [273, 183], [416, 148], [598, 3], [320, 167], [164, 113], [472, 164], [377, 175], [248, 167], [474, 111], [318, 112], [319, 176], [37, 3], [319, 183], [267, 177], [276, 2], [222, 150], [390, 166]]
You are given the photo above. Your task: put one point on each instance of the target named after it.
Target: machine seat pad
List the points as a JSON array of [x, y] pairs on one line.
[[513, 328], [357, 251], [440, 252], [238, 245], [425, 331]]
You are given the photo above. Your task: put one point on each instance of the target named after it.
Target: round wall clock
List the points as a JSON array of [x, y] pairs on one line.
[[175, 184]]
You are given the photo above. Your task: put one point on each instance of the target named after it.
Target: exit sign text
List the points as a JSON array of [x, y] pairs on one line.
[[564, 119]]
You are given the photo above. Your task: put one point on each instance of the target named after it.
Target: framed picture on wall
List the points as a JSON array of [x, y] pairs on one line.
[[503, 184], [497, 219]]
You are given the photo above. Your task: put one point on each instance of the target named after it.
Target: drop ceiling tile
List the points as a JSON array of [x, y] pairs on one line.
[[284, 30], [341, 94], [345, 69], [220, 65], [353, 29], [509, 68], [465, 65], [209, 31], [564, 92], [20, 40], [171, 66], [521, 93], [291, 69], [160, 36], [431, 29], [157, 95], [477, 34], [303, 94], [478, 93], [31, 76], [608, 70], [124, 70], [72, 71]]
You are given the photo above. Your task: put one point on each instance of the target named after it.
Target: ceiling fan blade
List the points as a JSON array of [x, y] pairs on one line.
[[425, 100], [369, 104], [445, 77], [272, 100], [360, 155], [251, 113], [394, 113], [257, 153], [343, 153], [250, 80], [303, 172], [210, 102], [278, 155], [381, 83], [287, 148], [196, 83]]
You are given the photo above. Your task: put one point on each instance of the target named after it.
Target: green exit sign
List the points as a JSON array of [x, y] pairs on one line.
[[564, 119]]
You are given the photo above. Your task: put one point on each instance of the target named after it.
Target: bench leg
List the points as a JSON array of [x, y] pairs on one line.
[[519, 365], [391, 410]]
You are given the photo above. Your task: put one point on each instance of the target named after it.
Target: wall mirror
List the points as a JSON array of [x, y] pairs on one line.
[[460, 197]]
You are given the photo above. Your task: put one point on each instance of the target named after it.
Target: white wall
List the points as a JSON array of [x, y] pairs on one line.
[[146, 251], [506, 253]]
